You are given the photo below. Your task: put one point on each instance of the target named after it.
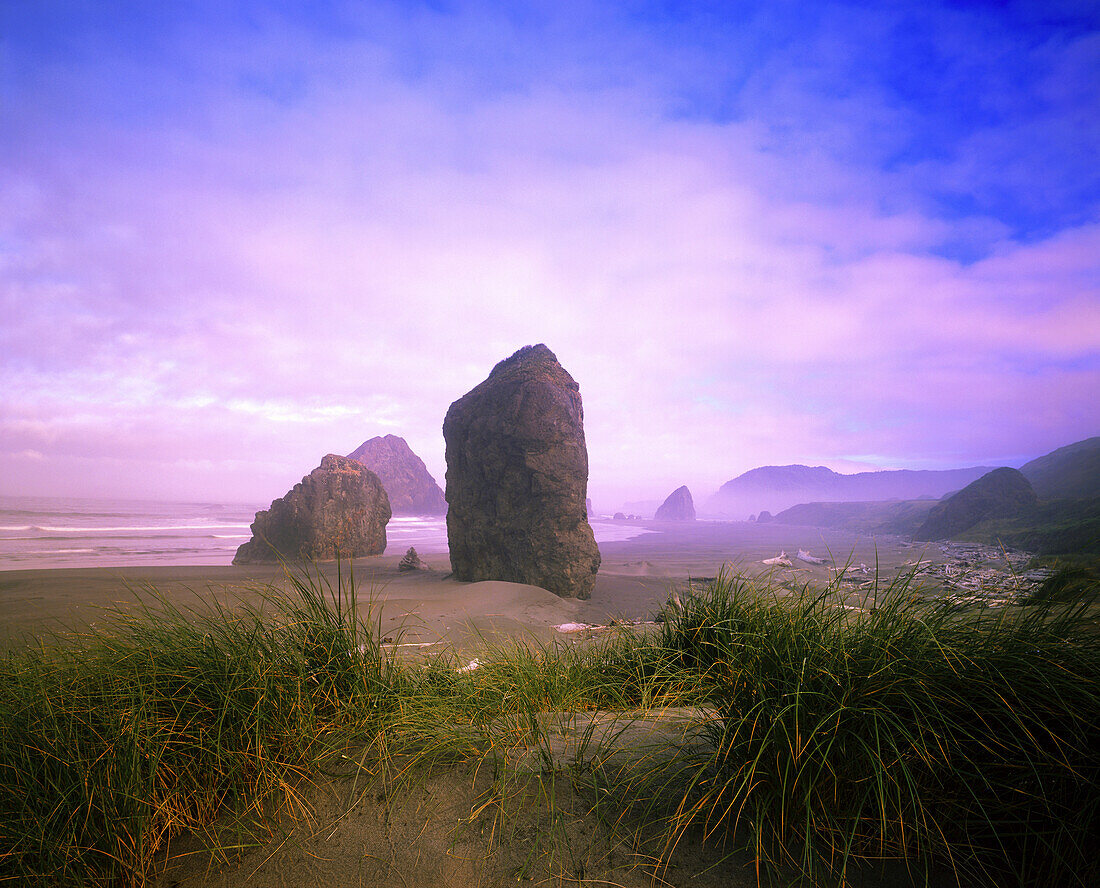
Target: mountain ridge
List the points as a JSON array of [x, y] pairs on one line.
[[1070, 472], [779, 487]]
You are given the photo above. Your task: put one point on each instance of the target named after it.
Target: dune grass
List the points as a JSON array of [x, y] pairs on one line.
[[906, 730], [825, 736], [111, 742]]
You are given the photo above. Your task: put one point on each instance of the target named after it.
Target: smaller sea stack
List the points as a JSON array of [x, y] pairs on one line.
[[339, 510]]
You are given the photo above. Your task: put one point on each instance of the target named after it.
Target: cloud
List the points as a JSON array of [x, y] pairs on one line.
[[272, 239]]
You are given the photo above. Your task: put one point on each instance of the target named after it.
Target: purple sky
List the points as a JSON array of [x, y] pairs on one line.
[[234, 238]]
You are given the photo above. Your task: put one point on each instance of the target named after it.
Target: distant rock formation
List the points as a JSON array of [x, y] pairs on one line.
[[764, 517], [677, 507], [411, 561], [779, 487], [410, 487], [618, 516], [641, 508], [1070, 472], [1002, 493], [517, 471], [588, 507], [339, 510]]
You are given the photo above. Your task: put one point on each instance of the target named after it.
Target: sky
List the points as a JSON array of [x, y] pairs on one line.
[[235, 237]]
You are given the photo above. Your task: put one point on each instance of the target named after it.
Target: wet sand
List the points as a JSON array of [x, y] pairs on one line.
[[430, 607]]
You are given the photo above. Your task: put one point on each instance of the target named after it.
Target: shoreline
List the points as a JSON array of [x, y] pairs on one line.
[[635, 578]]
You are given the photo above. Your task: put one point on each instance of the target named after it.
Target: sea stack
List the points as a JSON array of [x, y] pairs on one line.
[[411, 488], [678, 506], [339, 510], [517, 473]]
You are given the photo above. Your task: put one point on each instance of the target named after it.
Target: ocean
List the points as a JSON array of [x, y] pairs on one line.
[[45, 532]]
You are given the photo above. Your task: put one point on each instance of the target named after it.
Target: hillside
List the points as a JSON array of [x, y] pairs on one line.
[[1068, 472], [1003, 494], [901, 517], [1057, 527]]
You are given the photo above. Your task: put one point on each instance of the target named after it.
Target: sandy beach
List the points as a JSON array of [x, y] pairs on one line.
[[430, 607], [422, 832]]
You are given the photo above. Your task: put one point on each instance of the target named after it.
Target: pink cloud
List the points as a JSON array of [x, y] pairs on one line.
[[242, 284]]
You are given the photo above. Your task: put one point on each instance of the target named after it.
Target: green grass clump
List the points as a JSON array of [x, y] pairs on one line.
[[446, 712], [1068, 583], [113, 743], [907, 731]]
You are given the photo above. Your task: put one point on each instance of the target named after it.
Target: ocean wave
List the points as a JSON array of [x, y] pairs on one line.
[[138, 528]]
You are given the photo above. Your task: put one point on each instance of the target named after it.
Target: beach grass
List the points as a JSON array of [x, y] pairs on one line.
[[111, 742], [967, 740], [814, 737]]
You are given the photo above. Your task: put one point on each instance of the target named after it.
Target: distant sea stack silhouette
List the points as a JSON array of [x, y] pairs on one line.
[[517, 473], [1002, 493], [677, 507], [410, 487], [339, 510]]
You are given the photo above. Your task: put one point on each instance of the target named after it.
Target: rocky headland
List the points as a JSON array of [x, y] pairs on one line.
[[1000, 494]]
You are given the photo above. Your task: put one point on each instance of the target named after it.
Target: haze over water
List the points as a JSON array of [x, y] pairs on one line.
[[47, 532]]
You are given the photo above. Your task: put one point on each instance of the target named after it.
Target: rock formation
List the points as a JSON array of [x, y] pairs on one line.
[[411, 488], [678, 506], [1002, 493], [339, 510], [517, 472], [764, 517], [412, 561]]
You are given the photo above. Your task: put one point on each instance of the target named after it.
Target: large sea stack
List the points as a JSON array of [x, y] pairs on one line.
[[517, 472], [339, 510], [1002, 493], [678, 506], [410, 487]]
